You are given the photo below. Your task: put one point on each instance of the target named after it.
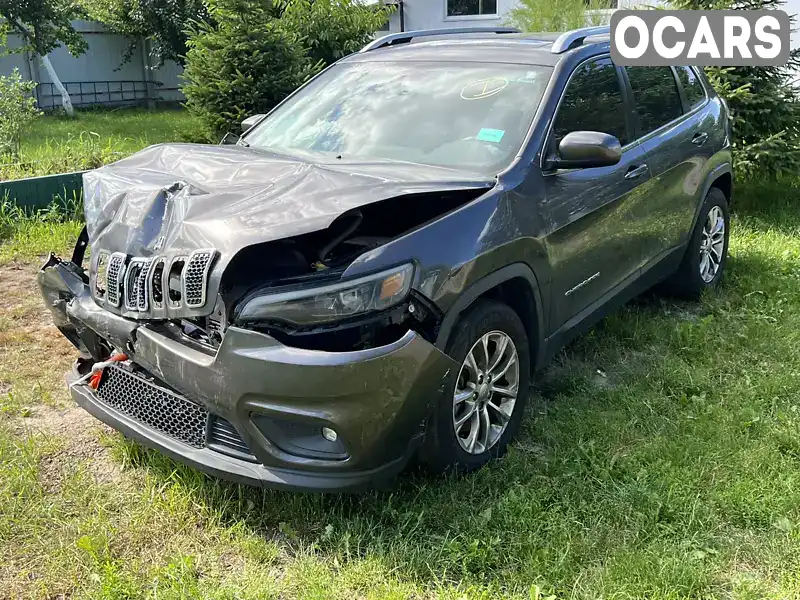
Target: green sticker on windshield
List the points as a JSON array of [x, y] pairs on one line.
[[491, 135]]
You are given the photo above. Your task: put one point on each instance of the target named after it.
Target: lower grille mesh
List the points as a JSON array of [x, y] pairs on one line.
[[154, 406], [224, 438]]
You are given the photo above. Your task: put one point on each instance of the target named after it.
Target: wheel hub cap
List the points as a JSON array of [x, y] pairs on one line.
[[486, 392], [712, 244]]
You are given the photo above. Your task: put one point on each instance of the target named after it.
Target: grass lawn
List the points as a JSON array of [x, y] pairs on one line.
[[659, 458], [57, 144]]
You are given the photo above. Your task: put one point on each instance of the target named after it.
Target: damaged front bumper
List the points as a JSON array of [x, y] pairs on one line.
[[252, 410]]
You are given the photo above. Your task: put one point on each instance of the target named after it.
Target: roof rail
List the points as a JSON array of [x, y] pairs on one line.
[[573, 39], [407, 36]]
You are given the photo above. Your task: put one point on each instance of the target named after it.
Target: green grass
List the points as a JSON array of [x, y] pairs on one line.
[[24, 234], [660, 458], [58, 144]]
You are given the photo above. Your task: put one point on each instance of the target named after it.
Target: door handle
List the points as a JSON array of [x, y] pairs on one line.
[[699, 139], [636, 171]]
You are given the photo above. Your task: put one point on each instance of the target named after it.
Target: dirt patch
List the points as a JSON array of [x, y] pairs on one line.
[[79, 433], [16, 281], [33, 359], [33, 353], [22, 308]]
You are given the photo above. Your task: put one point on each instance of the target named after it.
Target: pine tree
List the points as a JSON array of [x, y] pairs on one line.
[[763, 102]]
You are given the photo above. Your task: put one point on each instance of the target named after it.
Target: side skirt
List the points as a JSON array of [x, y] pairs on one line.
[[658, 270]]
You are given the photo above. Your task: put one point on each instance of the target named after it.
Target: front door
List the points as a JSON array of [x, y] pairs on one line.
[[592, 232]]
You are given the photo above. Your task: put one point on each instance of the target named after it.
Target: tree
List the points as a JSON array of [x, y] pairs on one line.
[[17, 110], [165, 22], [332, 29], [763, 102], [559, 15], [43, 26], [242, 62]]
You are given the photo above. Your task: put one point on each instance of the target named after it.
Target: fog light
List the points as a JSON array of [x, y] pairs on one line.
[[329, 434]]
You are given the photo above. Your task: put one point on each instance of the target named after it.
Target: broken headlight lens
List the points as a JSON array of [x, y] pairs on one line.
[[332, 302]]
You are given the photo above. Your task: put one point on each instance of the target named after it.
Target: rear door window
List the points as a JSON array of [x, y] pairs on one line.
[[692, 87], [592, 102], [655, 93]]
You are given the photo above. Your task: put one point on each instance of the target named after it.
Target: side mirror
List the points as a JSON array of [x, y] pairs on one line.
[[586, 149], [229, 139], [251, 122]]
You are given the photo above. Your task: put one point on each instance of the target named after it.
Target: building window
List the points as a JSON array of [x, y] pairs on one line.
[[471, 8]]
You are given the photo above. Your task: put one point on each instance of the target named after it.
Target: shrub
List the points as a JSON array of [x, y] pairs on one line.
[[559, 15], [242, 63], [17, 110], [332, 29]]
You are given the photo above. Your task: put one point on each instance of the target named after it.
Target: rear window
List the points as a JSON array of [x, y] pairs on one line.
[[461, 115], [656, 95]]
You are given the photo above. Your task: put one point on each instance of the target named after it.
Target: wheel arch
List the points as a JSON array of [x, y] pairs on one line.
[[721, 177], [515, 285], [722, 181]]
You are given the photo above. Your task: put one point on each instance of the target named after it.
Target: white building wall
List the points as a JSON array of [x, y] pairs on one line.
[[430, 14], [98, 76]]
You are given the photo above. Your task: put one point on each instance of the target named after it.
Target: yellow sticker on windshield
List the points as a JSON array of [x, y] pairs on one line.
[[484, 88]]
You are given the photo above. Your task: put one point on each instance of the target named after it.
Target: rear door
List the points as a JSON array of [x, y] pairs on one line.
[[672, 128], [592, 238]]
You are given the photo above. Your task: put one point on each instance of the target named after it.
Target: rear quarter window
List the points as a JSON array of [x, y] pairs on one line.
[[692, 86]]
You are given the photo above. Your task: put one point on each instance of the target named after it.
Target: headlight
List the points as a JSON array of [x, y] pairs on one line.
[[332, 302]]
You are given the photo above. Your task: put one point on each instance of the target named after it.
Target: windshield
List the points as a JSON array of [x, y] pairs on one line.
[[461, 115]]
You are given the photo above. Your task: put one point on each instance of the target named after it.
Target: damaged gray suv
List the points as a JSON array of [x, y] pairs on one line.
[[375, 269]]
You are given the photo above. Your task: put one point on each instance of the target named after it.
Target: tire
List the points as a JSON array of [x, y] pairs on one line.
[[688, 282], [444, 449]]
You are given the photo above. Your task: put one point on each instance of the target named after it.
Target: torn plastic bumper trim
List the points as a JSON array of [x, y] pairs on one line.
[[230, 468]]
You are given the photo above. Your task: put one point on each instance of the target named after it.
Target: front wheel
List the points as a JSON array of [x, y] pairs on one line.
[[480, 413], [707, 252]]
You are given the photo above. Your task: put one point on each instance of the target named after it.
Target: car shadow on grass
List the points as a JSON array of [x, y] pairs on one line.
[[559, 502]]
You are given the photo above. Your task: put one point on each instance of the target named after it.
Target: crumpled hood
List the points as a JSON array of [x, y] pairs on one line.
[[183, 197]]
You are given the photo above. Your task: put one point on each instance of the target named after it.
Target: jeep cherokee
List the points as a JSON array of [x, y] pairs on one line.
[[375, 268]]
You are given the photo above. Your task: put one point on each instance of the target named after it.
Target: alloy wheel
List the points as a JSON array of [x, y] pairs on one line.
[[712, 244], [486, 392]]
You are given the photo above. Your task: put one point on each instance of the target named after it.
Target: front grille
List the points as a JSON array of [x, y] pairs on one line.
[[224, 438], [194, 278], [139, 283], [154, 406]]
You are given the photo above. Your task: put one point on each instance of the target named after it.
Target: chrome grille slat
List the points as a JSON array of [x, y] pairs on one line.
[[116, 273], [143, 286], [194, 277], [101, 275], [157, 282], [130, 289]]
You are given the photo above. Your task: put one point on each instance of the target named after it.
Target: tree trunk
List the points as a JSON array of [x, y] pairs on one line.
[[65, 101]]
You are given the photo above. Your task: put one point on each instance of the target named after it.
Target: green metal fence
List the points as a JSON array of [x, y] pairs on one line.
[[39, 192]]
